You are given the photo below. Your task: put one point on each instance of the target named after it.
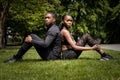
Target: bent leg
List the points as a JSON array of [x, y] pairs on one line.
[[86, 38], [41, 51], [18, 57], [24, 48]]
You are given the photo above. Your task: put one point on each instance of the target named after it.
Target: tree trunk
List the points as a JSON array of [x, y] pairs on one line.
[[3, 13]]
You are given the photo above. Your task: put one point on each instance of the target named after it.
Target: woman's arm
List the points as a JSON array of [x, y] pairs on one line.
[[67, 36]]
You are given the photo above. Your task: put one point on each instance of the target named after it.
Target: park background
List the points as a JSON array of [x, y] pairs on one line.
[[100, 18]]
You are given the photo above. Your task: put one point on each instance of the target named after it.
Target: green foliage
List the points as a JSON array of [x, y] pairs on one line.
[[90, 16], [115, 12], [28, 15]]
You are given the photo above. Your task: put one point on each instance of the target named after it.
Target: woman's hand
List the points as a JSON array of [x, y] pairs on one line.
[[96, 47]]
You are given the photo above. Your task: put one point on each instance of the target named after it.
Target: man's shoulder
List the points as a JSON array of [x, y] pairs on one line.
[[55, 28]]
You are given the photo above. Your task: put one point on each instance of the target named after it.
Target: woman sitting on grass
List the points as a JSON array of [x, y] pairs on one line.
[[71, 49]]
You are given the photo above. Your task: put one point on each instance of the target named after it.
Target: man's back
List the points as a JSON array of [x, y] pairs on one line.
[[55, 46]]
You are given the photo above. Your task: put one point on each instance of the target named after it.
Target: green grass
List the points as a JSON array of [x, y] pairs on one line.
[[87, 67]]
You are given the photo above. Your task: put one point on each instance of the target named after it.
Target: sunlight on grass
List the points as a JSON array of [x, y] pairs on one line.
[[87, 67]]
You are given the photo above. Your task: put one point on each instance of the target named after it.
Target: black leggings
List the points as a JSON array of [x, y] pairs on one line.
[[73, 54]]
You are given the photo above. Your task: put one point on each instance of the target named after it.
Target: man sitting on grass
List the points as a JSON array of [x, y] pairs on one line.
[[48, 49]]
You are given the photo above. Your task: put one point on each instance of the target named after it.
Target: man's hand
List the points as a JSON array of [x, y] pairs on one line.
[[28, 39]]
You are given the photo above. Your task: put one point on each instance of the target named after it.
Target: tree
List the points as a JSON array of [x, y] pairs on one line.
[[3, 14]]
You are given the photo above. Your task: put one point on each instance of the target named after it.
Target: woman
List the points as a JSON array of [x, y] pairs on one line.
[[71, 49]]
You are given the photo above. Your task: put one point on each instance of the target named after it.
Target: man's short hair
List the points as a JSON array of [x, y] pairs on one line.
[[53, 14]]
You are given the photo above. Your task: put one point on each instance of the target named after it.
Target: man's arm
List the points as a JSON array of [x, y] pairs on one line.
[[47, 42]]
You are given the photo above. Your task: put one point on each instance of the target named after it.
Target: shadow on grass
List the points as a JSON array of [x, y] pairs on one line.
[[33, 60], [87, 58], [37, 60], [82, 58]]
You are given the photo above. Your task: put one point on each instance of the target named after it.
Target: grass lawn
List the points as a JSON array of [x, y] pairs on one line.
[[87, 67]]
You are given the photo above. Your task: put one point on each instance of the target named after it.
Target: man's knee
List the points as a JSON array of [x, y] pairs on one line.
[[32, 35]]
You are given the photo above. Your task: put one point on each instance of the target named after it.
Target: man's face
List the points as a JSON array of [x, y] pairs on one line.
[[49, 19]]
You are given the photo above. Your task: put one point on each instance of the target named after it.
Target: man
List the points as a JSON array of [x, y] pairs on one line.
[[49, 48]]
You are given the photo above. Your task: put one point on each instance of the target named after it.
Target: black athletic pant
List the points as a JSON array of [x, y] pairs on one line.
[[43, 52]]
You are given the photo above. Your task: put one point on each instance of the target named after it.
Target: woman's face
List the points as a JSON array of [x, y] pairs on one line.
[[68, 21]]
